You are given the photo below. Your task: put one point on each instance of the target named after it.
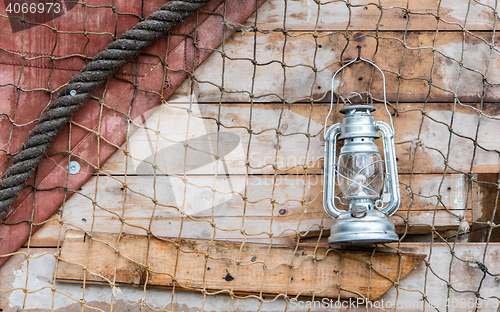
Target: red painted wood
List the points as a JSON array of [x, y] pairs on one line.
[[53, 182]]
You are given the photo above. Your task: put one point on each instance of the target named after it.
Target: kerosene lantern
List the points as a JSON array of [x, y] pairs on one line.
[[361, 174]]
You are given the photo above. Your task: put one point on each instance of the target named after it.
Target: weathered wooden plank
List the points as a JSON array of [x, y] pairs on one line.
[[418, 283], [484, 192], [297, 207], [36, 275], [230, 266], [301, 139], [284, 229], [365, 15], [290, 192], [449, 279], [406, 222], [311, 64], [485, 212], [456, 264]]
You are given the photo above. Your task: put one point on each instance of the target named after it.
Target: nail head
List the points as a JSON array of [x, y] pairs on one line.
[[74, 167]]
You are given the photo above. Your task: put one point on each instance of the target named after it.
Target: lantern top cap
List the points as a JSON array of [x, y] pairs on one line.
[[358, 122], [355, 108]]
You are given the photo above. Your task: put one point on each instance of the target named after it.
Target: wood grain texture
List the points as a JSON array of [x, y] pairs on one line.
[[454, 264], [459, 269], [364, 15], [422, 136], [485, 212], [297, 207], [456, 67], [259, 217], [230, 266]]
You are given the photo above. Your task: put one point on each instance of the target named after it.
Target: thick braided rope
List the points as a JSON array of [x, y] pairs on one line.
[[81, 87]]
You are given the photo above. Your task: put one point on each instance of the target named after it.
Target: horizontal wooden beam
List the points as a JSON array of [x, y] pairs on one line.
[[454, 63], [230, 267], [410, 222], [424, 142], [295, 206], [393, 15], [454, 264], [257, 192]]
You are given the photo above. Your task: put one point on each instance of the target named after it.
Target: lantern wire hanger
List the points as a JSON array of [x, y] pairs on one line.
[[357, 59]]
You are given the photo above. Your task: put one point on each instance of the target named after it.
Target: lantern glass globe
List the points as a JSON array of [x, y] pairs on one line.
[[360, 175]]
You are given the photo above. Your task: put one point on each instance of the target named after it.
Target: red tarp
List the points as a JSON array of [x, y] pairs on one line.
[[27, 71]]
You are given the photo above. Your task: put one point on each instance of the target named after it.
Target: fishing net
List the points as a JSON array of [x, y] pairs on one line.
[[218, 136]]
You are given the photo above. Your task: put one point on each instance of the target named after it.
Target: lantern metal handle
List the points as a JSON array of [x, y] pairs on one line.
[[333, 81], [391, 169], [330, 167]]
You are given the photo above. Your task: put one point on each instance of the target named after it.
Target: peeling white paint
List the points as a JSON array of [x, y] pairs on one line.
[[458, 192], [459, 80], [200, 199], [163, 134], [478, 14], [303, 12], [436, 135], [194, 194], [299, 55], [40, 280]]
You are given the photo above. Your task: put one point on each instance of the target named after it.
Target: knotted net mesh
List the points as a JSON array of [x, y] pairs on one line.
[[216, 158]]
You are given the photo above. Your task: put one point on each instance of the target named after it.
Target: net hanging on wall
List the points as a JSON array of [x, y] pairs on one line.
[[215, 133]]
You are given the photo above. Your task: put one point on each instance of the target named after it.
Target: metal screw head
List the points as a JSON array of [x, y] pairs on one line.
[[74, 167], [72, 92]]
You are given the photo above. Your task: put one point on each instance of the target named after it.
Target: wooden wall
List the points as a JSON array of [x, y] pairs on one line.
[[440, 59]]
